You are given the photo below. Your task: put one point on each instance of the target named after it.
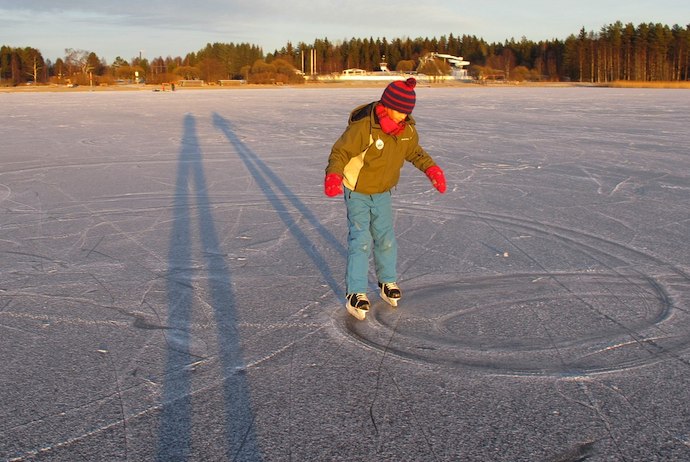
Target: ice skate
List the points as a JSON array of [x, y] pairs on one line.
[[357, 305], [390, 293]]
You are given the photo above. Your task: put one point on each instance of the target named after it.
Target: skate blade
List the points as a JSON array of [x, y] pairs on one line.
[[356, 312], [391, 301]]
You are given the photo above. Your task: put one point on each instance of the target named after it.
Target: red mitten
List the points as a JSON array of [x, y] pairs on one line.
[[333, 184], [437, 178]]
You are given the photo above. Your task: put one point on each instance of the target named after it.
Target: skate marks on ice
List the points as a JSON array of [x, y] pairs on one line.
[[285, 202], [618, 308]]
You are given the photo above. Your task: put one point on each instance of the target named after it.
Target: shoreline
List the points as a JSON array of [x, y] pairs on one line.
[[349, 84]]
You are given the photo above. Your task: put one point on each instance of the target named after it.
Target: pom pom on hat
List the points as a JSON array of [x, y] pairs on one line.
[[400, 95]]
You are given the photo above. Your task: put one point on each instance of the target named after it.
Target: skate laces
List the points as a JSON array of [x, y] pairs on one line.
[[359, 300], [391, 289]]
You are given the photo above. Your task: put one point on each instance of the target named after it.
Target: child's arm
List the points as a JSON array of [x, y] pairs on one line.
[[423, 161], [344, 149], [349, 145]]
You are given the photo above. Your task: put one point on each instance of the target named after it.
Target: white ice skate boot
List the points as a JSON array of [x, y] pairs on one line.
[[390, 292], [357, 305]]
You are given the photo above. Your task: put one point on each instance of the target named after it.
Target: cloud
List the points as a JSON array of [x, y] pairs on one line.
[[378, 17], [175, 28], [165, 28]]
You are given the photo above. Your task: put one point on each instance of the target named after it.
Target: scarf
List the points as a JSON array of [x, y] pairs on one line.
[[387, 124]]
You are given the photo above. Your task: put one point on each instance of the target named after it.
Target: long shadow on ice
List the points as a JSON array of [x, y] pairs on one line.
[[175, 433], [268, 181]]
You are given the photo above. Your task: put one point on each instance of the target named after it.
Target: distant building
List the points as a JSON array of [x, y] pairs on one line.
[[457, 65]]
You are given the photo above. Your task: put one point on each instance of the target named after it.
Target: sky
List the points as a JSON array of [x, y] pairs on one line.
[[156, 28]]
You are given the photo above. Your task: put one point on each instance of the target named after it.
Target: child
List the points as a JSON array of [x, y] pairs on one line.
[[366, 161]]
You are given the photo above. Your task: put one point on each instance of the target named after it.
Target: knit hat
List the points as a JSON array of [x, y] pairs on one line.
[[400, 95]]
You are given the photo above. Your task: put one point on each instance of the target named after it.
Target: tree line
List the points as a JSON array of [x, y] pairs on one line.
[[646, 52]]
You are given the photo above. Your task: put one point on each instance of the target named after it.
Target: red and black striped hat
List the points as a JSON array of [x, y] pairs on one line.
[[400, 95]]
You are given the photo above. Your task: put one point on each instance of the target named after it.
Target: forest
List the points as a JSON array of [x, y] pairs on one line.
[[617, 52]]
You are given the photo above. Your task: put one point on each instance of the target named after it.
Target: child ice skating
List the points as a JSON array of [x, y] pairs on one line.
[[364, 166]]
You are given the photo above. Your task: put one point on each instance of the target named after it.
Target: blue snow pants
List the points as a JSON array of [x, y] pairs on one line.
[[369, 217]]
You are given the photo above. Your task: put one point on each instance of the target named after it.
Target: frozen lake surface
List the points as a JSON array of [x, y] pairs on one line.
[[172, 278]]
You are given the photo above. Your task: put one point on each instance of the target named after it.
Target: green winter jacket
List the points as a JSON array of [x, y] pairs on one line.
[[370, 160]]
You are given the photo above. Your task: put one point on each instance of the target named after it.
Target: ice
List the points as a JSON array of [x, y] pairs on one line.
[[171, 285]]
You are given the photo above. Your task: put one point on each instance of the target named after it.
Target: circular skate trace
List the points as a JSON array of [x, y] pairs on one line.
[[617, 315]]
